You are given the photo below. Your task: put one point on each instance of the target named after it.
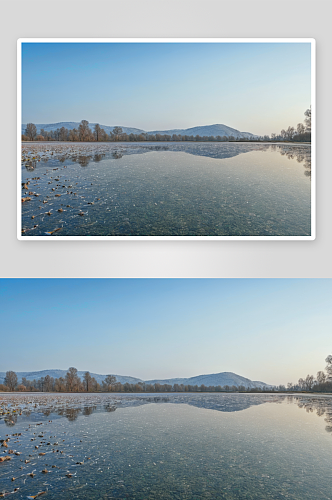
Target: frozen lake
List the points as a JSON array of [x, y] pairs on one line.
[[166, 189], [166, 446]]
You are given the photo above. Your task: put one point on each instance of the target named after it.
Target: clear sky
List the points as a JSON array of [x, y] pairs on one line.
[[273, 330], [252, 87]]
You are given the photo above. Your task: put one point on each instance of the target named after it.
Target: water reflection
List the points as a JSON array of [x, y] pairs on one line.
[[86, 153], [152, 448], [117, 155], [322, 406], [98, 156], [300, 154], [72, 406], [84, 160]]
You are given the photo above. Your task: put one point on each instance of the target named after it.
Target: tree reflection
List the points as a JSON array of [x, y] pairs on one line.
[[116, 155], [10, 420], [88, 410], [30, 165], [322, 407], [84, 160], [98, 156], [109, 408], [301, 154]]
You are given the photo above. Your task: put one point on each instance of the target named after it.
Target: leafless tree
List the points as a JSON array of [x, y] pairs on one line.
[[11, 380], [97, 132], [321, 377], [63, 134], [309, 382], [329, 367], [60, 384], [290, 133], [117, 131], [84, 130], [72, 380], [87, 379], [300, 129], [48, 383], [301, 384], [108, 383], [307, 120], [31, 131]]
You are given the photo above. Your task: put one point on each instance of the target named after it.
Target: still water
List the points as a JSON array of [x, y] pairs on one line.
[[203, 189], [166, 446]]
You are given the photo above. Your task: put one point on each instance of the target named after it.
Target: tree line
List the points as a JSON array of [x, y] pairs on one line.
[[302, 133], [73, 383], [321, 383], [84, 134]]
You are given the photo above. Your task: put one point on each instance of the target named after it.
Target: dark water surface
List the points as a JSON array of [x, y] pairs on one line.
[[177, 189], [167, 446]]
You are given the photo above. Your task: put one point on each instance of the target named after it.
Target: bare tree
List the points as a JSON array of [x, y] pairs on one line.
[[63, 134], [73, 135], [11, 380], [31, 131], [84, 130], [60, 384], [97, 132], [301, 384], [321, 377], [108, 383], [117, 131], [290, 133], [300, 129], [309, 382], [87, 379], [307, 120], [48, 383], [329, 367], [72, 380]]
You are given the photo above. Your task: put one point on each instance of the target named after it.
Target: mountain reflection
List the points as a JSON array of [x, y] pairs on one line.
[[86, 153], [71, 406]]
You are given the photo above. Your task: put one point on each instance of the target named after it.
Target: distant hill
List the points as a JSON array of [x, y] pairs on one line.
[[205, 130], [70, 125], [62, 373], [224, 378]]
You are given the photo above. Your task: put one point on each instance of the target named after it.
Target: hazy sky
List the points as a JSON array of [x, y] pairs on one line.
[[253, 87], [273, 330]]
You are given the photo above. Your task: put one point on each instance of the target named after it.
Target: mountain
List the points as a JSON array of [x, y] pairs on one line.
[[62, 373], [70, 125], [205, 130], [224, 378]]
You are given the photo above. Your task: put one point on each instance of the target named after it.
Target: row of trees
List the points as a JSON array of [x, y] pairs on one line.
[[302, 133], [84, 134], [73, 383], [322, 382], [98, 134], [70, 383]]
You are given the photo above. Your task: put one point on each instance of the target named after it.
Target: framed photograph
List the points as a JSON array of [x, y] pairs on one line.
[[178, 139]]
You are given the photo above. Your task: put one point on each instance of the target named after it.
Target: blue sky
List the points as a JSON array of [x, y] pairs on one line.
[[273, 330], [253, 87]]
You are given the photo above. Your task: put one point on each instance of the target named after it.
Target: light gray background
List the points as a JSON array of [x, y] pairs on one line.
[[165, 18]]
